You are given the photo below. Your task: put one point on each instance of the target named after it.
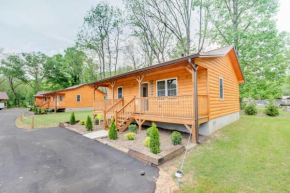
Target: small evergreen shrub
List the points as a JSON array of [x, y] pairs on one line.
[[272, 109], [82, 122], [176, 138], [154, 143], [72, 120], [96, 121], [133, 128], [251, 109], [130, 136], [89, 124], [146, 141], [148, 131], [113, 133]]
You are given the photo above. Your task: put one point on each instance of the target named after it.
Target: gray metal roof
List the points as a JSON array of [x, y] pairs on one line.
[[3, 96], [40, 93]]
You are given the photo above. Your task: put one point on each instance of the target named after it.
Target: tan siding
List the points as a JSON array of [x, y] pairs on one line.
[[221, 67]]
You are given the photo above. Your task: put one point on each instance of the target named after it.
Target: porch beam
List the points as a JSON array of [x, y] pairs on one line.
[[113, 85], [188, 69], [55, 102], [191, 130]]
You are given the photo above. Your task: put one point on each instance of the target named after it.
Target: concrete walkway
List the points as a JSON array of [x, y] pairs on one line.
[[59, 160]]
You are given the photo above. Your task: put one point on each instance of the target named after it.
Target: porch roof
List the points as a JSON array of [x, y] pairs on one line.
[[220, 52], [70, 88]]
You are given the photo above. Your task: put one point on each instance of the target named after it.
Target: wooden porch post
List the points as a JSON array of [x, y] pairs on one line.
[[192, 129], [104, 120], [113, 90], [139, 80], [55, 101]]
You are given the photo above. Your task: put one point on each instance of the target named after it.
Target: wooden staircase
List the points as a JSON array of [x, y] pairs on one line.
[[124, 117]]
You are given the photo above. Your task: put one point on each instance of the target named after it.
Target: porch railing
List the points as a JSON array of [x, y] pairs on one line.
[[171, 105], [101, 105]]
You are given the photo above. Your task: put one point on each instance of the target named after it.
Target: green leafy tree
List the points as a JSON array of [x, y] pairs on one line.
[[262, 51], [35, 66], [154, 144], [12, 70], [113, 132], [89, 124], [101, 33]]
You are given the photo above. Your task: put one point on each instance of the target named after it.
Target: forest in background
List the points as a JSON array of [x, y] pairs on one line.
[[113, 41]]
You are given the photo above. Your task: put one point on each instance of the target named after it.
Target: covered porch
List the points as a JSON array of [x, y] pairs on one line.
[[140, 97]]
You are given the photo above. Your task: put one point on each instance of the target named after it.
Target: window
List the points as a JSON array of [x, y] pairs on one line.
[[44, 99], [221, 88], [78, 98], [120, 92], [60, 97], [167, 87]]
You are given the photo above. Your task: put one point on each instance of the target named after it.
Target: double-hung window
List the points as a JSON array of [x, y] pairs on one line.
[[120, 92], [221, 88], [167, 87], [78, 98], [60, 97]]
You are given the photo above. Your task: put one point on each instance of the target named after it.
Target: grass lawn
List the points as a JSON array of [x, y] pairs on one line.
[[54, 119], [250, 155]]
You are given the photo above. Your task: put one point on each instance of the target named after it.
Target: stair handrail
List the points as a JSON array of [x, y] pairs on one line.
[[114, 105], [118, 112], [44, 104], [126, 105]]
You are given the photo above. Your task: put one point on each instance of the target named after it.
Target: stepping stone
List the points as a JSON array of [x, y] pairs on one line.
[[97, 134]]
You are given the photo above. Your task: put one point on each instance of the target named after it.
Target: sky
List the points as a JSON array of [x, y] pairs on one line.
[[50, 26]]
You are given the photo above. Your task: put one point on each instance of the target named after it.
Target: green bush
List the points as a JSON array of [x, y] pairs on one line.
[[133, 128], [96, 121], [72, 120], [176, 138], [130, 136], [146, 141], [243, 105], [82, 122], [113, 133], [89, 124], [154, 143], [272, 109], [251, 109]]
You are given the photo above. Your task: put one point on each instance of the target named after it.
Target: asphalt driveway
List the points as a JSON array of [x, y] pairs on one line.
[[59, 160]]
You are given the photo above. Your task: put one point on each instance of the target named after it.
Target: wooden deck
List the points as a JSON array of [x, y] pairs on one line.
[[169, 109]]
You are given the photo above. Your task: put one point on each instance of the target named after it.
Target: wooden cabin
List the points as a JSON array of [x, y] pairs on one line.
[[3, 100], [75, 98], [39, 99], [165, 94]]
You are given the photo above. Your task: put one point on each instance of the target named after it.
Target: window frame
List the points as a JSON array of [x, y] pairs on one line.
[[60, 98], [223, 88], [118, 92], [44, 99], [77, 98], [166, 86]]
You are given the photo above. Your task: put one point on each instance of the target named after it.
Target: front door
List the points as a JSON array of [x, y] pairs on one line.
[[144, 94]]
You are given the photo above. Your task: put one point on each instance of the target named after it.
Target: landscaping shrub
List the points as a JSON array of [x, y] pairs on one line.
[[96, 121], [130, 136], [154, 143], [146, 141], [243, 105], [113, 133], [251, 109], [82, 122], [72, 120], [133, 128], [272, 109], [176, 138], [148, 131], [89, 124]]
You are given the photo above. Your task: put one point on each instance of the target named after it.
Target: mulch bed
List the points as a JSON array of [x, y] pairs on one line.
[[81, 129], [166, 143]]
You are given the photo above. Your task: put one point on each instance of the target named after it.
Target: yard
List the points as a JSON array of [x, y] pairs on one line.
[[250, 155], [53, 119]]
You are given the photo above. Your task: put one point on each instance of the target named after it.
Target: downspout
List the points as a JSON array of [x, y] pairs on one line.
[[195, 67]]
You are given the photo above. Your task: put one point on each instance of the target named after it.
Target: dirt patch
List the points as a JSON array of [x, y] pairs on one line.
[[81, 129], [166, 143]]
